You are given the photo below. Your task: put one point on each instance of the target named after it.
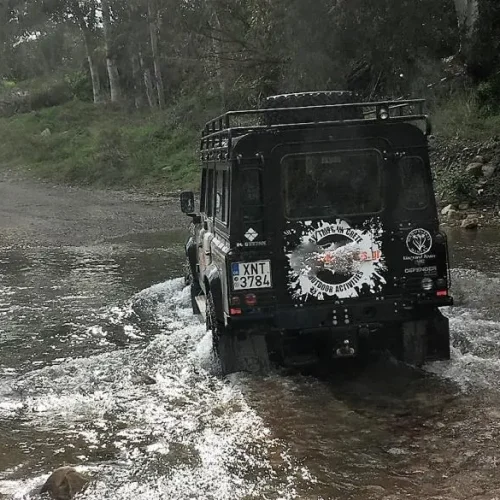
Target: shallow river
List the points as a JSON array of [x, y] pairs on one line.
[[103, 366]]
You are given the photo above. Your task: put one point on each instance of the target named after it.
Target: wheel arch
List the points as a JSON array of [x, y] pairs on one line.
[[213, 285], [191, 254]]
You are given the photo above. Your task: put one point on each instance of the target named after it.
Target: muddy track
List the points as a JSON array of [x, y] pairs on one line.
[[41, 214]]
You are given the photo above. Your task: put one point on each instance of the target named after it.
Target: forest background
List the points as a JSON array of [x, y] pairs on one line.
[[113, 93]]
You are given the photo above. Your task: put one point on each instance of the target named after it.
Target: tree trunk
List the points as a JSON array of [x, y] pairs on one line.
[[217, 48], [467, 14], [93, 66], [136, 75], [154, 27], [480, 23], [148, 83], [113, 75]]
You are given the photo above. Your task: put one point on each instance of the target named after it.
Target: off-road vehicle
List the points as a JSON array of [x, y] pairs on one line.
[[317, 234]]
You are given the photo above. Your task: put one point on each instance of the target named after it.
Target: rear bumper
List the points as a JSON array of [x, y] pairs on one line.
[[348, 316]]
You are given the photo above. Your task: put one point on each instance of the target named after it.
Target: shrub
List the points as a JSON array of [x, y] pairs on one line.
[[488, 95], [455, 186], [50, 95]]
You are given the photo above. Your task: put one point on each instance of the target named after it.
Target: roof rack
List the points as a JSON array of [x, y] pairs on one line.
[[219, 132]]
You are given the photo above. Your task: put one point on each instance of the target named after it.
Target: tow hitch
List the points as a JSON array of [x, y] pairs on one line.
[[346, 350]]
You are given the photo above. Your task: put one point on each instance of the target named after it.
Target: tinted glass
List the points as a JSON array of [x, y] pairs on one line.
[[251, 194], [203, 199], [210, 193], [220, 197], [226, 195], [414, 183], [335, 183]]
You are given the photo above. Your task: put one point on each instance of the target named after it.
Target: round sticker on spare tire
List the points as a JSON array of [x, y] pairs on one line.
[[335, 260], [419, 242]]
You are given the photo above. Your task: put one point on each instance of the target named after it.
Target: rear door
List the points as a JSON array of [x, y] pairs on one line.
[[329, 219], [419, 252]]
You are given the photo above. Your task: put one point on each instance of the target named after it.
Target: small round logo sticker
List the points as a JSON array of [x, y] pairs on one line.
[[419, 242]]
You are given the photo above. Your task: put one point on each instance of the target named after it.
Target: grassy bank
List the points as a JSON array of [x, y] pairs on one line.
[[79, 143], [460, 117]]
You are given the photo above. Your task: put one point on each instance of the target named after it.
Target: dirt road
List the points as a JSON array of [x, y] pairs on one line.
[[40, 214]]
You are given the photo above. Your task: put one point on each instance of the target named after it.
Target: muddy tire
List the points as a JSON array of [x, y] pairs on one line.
[[415, 342], [310, 99], [194, 290], [235, 354]]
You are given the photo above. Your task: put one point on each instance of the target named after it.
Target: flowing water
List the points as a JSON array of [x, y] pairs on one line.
[[103, 366]]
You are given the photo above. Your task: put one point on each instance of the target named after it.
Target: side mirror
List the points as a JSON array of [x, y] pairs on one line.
[[187, 202]]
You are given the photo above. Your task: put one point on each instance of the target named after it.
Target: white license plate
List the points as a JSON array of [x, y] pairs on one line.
[[248, 275]]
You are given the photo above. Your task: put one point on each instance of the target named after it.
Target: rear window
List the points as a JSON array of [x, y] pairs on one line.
[[414, 194], [333, 183]]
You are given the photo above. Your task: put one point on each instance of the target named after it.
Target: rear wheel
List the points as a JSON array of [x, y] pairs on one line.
[[195, 290], [236, 354]]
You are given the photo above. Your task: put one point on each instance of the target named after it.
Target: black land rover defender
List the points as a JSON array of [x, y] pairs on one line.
[[318, 235]]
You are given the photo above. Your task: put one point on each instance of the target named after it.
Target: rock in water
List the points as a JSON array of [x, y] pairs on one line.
[[64, 483]]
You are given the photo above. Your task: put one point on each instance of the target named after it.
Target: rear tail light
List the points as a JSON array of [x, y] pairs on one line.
[[251, 299], [442, 293], [235, 311]]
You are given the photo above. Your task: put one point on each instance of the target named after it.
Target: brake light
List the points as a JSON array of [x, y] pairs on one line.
[[235, 311], [442, 293], [251, 299]]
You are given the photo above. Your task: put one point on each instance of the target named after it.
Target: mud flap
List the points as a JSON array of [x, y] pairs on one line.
[[247, 354], [415, 342], [438, 337]]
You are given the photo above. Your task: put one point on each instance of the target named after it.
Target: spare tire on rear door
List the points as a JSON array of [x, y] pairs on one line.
[[307, 99]]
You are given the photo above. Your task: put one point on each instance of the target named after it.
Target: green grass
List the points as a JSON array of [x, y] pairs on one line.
[[109, 146], [460, 117], [103, 146]]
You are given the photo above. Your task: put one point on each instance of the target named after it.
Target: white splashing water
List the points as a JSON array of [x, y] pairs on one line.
[[475, 331], [176, 430]]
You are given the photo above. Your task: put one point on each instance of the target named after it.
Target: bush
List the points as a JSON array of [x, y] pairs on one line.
[[50, 95], [80, 86], [488, 95], [455, 186]]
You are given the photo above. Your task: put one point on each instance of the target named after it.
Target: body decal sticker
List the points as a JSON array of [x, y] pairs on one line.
[[419, 242], [334, 260]]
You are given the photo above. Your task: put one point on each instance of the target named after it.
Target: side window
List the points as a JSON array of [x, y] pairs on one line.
[[210, 193], [220, 196], [414, 183], [251, 194], [226, 195], [203, 191]]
